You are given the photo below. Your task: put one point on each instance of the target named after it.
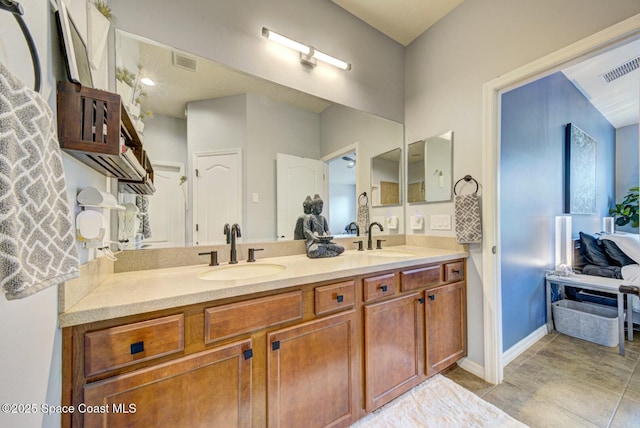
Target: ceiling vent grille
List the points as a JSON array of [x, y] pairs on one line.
[[621, 70], [184, 62]]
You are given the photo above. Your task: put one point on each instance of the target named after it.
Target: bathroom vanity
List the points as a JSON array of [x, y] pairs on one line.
[[308, 344]]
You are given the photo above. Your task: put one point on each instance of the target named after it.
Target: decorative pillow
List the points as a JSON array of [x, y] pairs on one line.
[[605, 271], [593, 251], [615, 254]]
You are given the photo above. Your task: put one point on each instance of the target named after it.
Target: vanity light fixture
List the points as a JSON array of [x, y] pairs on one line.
[[308, 54], [147, 81]]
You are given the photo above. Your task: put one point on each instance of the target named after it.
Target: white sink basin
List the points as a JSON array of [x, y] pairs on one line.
[[243, 271], [390, 253]]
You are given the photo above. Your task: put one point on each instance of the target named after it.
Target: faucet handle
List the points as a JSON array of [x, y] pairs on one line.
[[379, 243], [214, 257], [360, 246], [252, 254]]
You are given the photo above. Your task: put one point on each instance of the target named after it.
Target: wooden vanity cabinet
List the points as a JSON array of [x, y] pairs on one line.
[[209, 388], [312, 373], [416, 335], [316, 355], [393, 348], [445, 326]]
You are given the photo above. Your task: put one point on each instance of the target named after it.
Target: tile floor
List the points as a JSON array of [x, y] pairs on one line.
[[566, 382]]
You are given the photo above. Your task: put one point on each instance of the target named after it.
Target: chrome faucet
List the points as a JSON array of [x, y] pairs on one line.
[[353, 224], [369, 240], [227, 233], [235, 233]]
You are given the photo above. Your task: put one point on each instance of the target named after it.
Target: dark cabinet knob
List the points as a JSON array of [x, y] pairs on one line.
[[431, 297], [136, 348], [340, 298], [383, 288]]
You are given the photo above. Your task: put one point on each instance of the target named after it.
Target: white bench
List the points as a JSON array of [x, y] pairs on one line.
[[590, 282]]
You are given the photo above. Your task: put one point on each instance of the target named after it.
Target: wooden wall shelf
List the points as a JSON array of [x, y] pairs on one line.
[[95, 128]]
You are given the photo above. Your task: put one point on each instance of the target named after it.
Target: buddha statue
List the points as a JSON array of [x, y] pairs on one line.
[[316, 231]]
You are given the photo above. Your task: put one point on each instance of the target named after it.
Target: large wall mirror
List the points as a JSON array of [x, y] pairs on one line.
[[386, 178], [429, 169], [231, 127]]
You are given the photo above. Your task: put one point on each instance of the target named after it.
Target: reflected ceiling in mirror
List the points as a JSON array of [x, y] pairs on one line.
[[181, 77], [429, 169], [258, 117]]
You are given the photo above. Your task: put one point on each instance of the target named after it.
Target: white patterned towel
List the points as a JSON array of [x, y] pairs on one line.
[[37, 242], [468, 220]]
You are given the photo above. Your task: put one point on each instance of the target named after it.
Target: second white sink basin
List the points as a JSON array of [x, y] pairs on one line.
[[241, 271], [390, 253]]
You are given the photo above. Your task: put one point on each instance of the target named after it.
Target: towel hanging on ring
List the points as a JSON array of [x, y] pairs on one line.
[[468, 218], [363, 213]]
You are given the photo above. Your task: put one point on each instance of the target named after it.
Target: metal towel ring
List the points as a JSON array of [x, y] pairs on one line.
[[17, 12], [466, 178], [363, 195]]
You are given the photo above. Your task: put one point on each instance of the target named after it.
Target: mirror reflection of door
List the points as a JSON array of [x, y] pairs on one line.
[[296, 178], [167, 206], [217, 194], [342, 192]]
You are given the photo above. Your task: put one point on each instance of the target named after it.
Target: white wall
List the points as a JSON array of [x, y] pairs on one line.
[[165, 139], [340, 127], [261, 128], [230, 33], [446, 67], [31, 352]]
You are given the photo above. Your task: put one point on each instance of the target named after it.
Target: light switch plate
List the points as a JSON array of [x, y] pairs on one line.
[[440, 222]]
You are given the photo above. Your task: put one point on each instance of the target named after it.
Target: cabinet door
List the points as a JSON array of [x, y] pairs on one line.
[[210, 388], [394, 348], [446, 326], [312, 373]]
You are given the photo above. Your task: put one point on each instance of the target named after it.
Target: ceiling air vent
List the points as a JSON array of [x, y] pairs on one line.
[[183, 61], [621, 70]]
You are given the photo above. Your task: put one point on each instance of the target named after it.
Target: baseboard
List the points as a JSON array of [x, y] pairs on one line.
[[472, 367], [517, 349]]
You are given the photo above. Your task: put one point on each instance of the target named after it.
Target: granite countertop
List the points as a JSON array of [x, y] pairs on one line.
[[130, 293]]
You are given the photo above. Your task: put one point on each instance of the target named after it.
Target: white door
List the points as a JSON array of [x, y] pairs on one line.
[[297, 177], [167, 205], [217, 194]]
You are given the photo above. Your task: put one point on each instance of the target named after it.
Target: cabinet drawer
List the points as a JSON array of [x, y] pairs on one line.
[[380, 286], [234, 319], [335, 297], [453, 271], [421, 277], [122, 346]]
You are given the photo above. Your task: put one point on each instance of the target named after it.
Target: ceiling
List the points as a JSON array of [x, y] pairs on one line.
[[402, 20], [405, 20], [618, 100]]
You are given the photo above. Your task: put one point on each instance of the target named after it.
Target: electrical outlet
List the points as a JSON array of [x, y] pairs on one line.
[[440, 222]]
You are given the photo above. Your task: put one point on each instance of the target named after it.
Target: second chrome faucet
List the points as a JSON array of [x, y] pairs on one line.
[[232, 233]]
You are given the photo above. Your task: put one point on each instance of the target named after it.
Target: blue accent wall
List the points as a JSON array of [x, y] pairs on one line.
[[531, 191]]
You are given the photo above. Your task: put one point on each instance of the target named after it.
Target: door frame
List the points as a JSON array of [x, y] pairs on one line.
[[334, 155], [194, 188], [606, 39]]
